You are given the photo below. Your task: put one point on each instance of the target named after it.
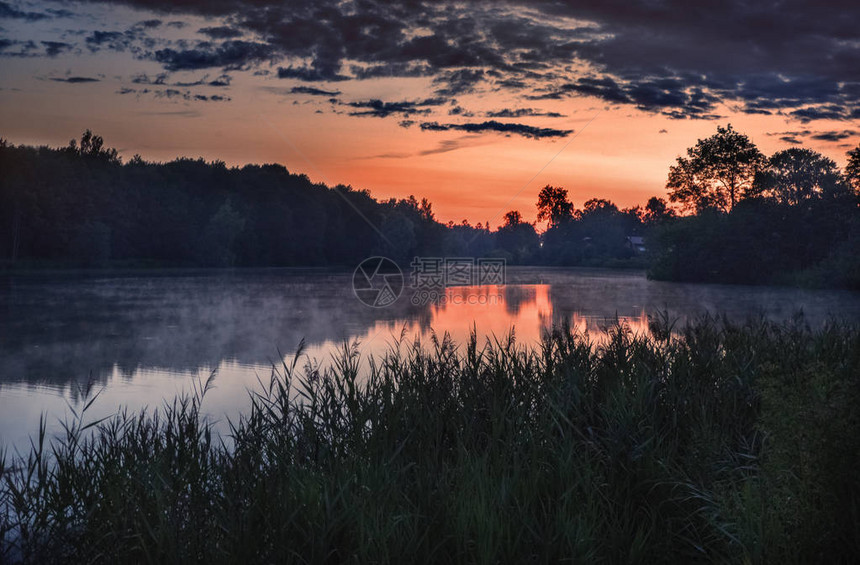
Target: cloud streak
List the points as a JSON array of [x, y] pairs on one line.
[[75, 80], [310, 90], [380, 109], [498, 127]]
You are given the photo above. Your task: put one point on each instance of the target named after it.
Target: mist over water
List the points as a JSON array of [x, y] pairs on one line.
[[144, 338]]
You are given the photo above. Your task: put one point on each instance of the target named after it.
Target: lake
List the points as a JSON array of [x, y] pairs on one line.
[[143, 338]]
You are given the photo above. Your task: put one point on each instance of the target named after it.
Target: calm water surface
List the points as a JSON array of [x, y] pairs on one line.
[[145, 338]]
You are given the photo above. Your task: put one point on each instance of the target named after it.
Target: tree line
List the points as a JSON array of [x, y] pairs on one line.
[[789, 218], [81, 205], [732, 215]]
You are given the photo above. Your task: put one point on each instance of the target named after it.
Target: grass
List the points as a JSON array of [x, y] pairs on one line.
[[718, 442]]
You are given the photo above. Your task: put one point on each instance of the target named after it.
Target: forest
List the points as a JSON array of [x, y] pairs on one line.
[[730, 215]]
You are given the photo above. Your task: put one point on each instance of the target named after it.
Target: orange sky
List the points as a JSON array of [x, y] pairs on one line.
[[616, 151]]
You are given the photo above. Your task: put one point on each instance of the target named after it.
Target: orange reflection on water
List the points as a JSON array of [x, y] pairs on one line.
[[494, 312]]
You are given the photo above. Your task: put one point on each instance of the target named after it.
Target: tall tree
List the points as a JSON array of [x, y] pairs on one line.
[[598, 207], [656, 211], [554, 206], [717, 172], [92, 145], [798, 174], [517, 237], [512, 219]]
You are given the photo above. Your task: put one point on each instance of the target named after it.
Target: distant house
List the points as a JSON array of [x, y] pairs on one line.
[[636, 243]]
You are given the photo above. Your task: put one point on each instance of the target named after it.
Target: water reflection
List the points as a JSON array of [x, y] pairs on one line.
[[144, 338]]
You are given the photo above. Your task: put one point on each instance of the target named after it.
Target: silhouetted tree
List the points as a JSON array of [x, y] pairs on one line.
[[806, 230], [426, 209], [597, 207], [93, 146], [517, 239], [553, 205], [656, 211], [798, 174], [717, 172], [512, 219]]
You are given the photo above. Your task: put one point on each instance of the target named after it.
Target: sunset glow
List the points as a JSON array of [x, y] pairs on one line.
[[474, 106]]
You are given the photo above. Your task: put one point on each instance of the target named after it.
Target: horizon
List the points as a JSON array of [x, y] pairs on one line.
[[473, 106]]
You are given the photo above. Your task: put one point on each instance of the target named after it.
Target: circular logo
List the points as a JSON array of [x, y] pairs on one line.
[[377, 282]]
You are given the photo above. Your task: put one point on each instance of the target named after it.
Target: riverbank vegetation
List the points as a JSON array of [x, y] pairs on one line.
[[733, 215], [716, 442]]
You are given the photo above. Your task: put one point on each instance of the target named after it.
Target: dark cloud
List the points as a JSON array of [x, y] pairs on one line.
[[454, 83], [494, 126], [54, 48], [115, 40], [521, 112], [605, 88], [314, 91], [792, 133], [187, 83], [22, 48], [144, 78], [794, 136], [222, 80], [174, 94], [672, 96], [60, 12], [392, 70], [460, 111], [511, 84], [221, 32], [229, 54], [29, 48], [834, 135], [162, 79], [380, 109], [75, 80], [672, 57], [822, 112], [8, 11], [309, 74]]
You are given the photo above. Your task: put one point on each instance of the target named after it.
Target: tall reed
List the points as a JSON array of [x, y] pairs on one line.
[[716, 442]]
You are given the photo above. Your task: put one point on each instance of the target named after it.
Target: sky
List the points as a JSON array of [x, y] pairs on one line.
[[473, 105]]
